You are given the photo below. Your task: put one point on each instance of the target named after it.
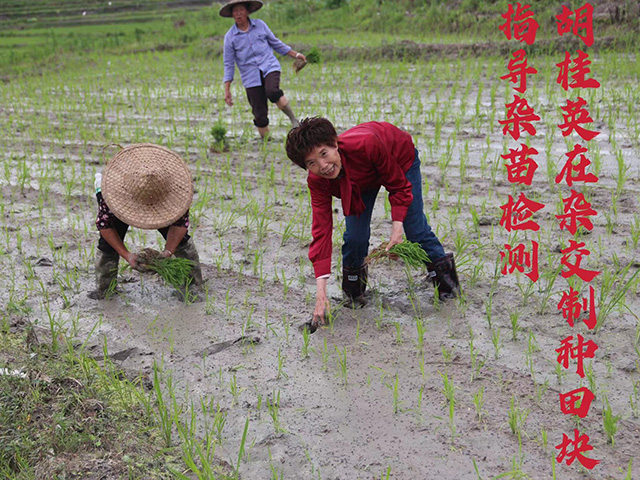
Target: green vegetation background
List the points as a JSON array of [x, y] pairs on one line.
[[38, 35]]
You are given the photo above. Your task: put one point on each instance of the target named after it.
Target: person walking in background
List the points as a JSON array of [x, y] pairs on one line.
[[353, 166], [250, 43]]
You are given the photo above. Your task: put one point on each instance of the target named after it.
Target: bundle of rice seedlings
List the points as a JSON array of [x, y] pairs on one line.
[[145, 257], [175, 271], [411, 253]]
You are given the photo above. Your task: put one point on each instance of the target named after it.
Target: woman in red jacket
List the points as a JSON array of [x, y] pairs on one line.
[[353, 166]]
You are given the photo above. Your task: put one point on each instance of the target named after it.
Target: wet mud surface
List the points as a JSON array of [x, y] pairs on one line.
[[366, 394]]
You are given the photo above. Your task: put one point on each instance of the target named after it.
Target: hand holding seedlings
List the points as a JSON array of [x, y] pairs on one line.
[[298, 64], [145, 257], [174, 271], [297, 56], [132, 259]]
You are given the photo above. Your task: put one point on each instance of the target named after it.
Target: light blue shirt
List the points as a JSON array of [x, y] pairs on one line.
[[252, 51]]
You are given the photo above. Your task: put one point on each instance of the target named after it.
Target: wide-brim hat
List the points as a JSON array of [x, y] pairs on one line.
[[252, 6], [147, 186]]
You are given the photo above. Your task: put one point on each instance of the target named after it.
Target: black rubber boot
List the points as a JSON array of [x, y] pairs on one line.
[[106, 274], [444, 276], [354, 284], [188, 251]]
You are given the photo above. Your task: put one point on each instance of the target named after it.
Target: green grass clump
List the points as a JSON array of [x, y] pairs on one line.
[[175, 271], [62, 414], [411, 253]]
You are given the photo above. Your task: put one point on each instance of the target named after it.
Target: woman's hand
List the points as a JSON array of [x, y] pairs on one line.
[[321, 310], [322, 302], [132, 258], [396, 235], [227, 97], [165, 253], [294, 54]]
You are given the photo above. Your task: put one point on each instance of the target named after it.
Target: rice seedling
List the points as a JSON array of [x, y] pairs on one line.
[[241, 450], [420, 330], [607, 306], [411, 253], [234, 389], [273, 405], [495, 340], [449, 394], [398, 330], [634, 400], [478, 403], [174, 271], [387, 474], [281, 372], [342, 363], [610, 422], [476, 363], [591, 378], [395, 395], [628, 474], [634, 236], [515, 327], [164, 414], [516, 418]]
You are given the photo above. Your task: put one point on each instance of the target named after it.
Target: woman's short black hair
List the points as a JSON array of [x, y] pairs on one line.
[[311, 133]]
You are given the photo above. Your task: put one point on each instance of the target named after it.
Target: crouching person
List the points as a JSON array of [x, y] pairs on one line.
[[146, 186], [353, 166]]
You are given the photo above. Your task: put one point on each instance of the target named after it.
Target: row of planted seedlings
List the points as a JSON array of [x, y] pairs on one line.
[[188, 116], [250, 223], [23, 169], [495, 336], [440, 163]]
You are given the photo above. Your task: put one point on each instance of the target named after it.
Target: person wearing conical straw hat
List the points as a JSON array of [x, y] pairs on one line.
[[146, 186], [250, 43]]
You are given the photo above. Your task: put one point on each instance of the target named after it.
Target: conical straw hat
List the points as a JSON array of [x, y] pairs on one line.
[[147, 186], [252, 6]]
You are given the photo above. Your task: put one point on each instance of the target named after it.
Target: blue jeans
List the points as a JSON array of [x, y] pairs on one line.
[[416, 228]]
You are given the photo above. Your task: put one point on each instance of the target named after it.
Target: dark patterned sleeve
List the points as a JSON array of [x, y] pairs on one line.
[[105, 218], [183, 221]]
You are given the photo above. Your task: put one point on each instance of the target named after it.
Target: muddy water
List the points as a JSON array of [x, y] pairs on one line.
[[242, 346]]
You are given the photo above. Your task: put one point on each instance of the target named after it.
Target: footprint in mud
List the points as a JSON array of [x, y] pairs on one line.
[[121, 355], [218, 347], [44, 262]]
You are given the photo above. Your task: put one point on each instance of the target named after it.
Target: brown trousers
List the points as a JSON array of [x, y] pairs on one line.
[[257, 96]]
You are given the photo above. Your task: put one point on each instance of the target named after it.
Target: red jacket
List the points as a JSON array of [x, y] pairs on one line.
[[373, 154]]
